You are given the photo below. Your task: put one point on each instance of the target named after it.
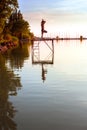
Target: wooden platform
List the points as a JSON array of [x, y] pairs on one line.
[[44, 39]]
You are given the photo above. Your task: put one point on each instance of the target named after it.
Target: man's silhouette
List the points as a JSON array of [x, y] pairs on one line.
[[42, 28]]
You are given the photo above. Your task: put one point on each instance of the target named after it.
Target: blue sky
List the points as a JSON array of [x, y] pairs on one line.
[[62, 16]]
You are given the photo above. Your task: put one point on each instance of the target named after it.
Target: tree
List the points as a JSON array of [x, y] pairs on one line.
[[20, 27], [6, 8]]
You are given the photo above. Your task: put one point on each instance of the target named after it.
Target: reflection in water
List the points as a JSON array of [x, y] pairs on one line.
[[44, 72], [46, 58], [9, 83], [7, 113], [58, 104], [17, 56]]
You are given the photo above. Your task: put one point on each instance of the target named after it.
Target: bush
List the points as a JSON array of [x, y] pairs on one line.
[[15, 40], [8, 37], [24, 36]]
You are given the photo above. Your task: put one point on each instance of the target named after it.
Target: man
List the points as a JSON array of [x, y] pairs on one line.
[[42, 28]]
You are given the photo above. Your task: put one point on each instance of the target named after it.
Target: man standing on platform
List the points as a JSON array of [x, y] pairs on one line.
[[42, 28]]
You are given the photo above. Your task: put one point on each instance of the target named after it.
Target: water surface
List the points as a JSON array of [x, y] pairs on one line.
[[44, 96]]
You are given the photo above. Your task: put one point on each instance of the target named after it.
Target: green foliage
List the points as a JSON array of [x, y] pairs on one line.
[[20, 27], [8, 37], [25, 36], [31, 35], [12, 22], [15, 40], [6, 8]]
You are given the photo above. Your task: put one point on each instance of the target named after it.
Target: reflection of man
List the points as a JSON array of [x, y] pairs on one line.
[[42, 28], [44, 72]]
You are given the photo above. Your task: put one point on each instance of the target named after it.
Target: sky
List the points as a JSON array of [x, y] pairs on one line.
[[65, 18]]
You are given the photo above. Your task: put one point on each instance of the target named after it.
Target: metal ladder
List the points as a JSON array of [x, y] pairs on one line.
[[36, 52]]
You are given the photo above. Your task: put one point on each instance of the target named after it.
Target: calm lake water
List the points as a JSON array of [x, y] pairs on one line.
[[46, 90]]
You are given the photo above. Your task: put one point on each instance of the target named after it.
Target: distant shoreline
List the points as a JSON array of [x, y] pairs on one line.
[[49, 38]]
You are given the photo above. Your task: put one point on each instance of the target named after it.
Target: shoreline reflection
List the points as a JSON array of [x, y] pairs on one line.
[[9, 85]]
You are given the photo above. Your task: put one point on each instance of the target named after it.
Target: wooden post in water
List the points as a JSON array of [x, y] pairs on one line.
[[53, 50]]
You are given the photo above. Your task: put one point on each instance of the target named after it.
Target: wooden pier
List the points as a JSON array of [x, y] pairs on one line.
[[36, 59]]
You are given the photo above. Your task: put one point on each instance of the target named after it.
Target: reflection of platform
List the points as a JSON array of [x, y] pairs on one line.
[[36, 55]]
